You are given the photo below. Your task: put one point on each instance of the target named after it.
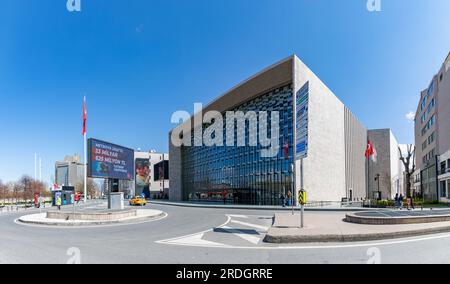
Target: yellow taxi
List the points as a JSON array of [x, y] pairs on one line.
[[138, 201]]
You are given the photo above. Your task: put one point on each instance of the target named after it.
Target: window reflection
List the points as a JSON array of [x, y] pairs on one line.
[[240, 173]]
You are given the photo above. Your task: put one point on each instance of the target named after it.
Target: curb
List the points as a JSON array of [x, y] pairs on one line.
[[290, 239], [96, 223], [402, 220], [252, 207]]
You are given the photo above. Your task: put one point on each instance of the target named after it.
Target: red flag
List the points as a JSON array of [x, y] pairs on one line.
[[369, 151], [84, 117], [286, 149]]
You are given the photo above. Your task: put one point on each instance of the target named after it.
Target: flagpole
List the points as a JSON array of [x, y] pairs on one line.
[[85, 169], [85, 154]]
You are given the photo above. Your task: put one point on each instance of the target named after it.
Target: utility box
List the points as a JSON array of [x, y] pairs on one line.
[[116, 201]]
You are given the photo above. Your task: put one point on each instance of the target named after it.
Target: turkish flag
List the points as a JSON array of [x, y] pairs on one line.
[[84, 117], [369, 151]]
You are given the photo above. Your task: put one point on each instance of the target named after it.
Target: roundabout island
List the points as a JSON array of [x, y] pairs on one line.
[[93, 217]]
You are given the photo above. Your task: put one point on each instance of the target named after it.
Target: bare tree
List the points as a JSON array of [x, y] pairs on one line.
[[407, 160], [91, 188], [3, 189]]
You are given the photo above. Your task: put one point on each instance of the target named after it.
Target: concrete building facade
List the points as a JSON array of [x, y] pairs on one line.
[[385, 176], [69, 172], [432, 133], [335, 167]]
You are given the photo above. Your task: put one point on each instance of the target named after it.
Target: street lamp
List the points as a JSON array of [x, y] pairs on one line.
[[377, 179]]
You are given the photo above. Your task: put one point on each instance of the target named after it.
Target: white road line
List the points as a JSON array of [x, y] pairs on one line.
[[325, 247], [262, 228], [196, 240], [238, 216], [248, 237], [178, 242], [190, 235]]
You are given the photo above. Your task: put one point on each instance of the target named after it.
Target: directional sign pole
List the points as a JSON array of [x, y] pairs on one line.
[[302, 195]]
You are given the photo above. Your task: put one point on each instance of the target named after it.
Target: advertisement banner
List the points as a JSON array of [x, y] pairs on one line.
[[111, 161], [142, 177]]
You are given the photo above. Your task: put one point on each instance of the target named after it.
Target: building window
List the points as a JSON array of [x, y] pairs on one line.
[[431, 106], [443, 189], [448, 186], [431, 138], [424, 117], [430, 124], [424, 103], [440, 77], [430, 89], [424, 145]]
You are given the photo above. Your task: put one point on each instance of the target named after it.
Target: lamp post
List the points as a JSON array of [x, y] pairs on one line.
[[377, 179]]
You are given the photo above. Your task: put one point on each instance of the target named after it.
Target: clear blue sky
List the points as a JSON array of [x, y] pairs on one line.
[[139, 61]]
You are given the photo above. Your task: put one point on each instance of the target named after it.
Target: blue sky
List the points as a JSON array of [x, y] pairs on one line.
[[139, 61]]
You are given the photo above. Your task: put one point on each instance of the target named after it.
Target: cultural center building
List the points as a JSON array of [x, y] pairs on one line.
[[317, 138]]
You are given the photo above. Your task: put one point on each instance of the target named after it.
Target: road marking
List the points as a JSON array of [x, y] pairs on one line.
[[262, 228], [190, 235], [195, 240], [179, 242], [242, 234], [262, 247], [238, 216]]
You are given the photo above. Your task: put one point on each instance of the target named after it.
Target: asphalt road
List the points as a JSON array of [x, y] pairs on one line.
[[199, 235]]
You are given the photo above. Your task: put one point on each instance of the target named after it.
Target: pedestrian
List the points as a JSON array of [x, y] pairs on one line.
[[400, 200], [396, 204], [410, 203], [283, 200], [225, 197], [58, 202], [289, 198]]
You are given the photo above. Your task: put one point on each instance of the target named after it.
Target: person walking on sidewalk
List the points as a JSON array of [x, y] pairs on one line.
[[225, 194], [410, 203], [283, 200], [396, 203], [58, 203], [289, 198]]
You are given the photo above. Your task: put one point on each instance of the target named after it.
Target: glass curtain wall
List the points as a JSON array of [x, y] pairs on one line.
[[240, 175]]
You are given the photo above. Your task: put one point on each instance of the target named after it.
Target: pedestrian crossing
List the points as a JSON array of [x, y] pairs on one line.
[[238, 230]]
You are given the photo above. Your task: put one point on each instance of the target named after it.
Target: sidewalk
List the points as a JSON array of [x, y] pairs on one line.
[[256, 207], [332, 228]]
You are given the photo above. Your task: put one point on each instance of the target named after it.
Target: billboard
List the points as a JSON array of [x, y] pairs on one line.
[[161, 171], [302, 103], [110, 161], [142, 181]]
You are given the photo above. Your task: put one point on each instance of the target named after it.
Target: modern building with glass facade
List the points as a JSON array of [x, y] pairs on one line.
[[335, 166]]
